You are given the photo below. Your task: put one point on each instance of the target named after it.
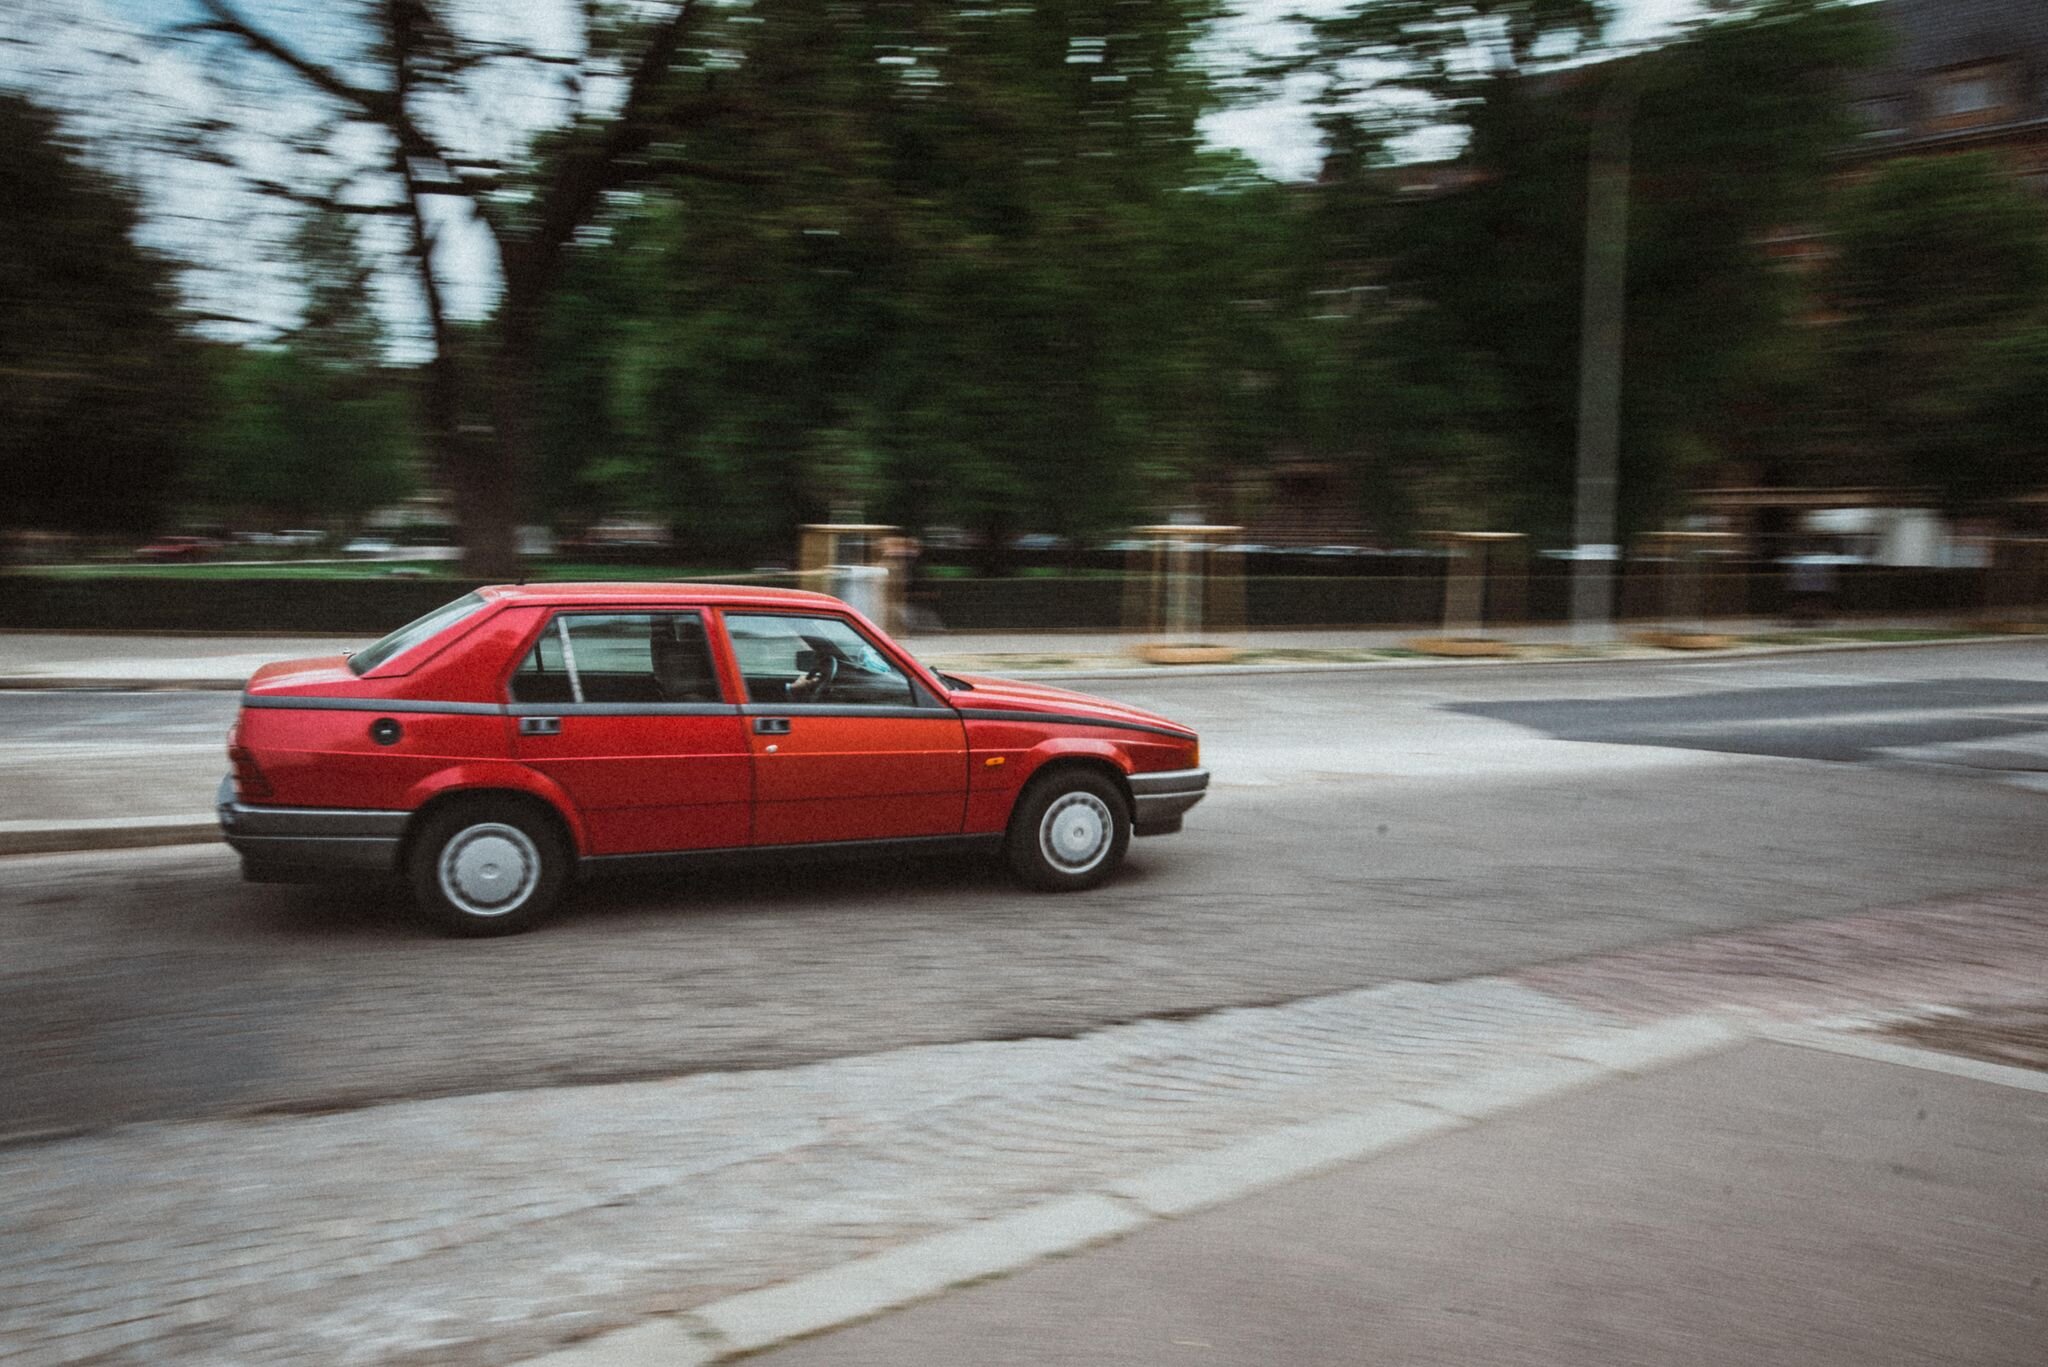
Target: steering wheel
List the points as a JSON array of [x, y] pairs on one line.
[[824, 675]]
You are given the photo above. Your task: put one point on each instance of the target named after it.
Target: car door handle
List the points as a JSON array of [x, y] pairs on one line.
[[771, 726], [540, 726]]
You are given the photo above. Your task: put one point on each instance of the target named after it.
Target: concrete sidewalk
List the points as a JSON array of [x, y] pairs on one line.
[[1771, 1204]]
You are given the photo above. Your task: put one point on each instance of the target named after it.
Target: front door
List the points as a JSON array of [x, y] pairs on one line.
[[624, 711], [846, 745]]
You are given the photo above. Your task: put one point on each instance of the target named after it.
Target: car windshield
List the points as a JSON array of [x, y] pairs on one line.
[[412, 633]]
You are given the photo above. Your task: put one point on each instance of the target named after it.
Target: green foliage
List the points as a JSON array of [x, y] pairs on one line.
[[1476, 386], [990, 278], [98, 391], [973, 265], [299, 441], [1430, 57], [315, 430], [1941, 274]]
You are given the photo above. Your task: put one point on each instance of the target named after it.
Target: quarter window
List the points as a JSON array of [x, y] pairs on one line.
[[814, 660], [625, 657], [415, 632]]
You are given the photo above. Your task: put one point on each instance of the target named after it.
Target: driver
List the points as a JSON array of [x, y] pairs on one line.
[[821, 665]]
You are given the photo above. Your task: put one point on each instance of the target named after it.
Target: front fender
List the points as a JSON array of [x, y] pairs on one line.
[[501, 777], [1069, 747]]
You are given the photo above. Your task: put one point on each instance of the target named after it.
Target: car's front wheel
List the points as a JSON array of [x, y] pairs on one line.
[[1069, 831], [488, 867]]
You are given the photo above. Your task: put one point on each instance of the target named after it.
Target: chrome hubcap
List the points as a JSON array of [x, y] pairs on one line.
[[1075, 832], [489, 869]]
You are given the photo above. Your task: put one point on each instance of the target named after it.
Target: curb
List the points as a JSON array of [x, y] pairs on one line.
[[1499, 662], [106, 833], [922, 1268], [1907, 1056]]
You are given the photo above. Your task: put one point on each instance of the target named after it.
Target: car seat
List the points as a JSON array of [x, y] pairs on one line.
[[682, 664]]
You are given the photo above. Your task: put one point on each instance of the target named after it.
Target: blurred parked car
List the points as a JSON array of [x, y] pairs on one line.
[[370, 545], [618, 538], [171, 549]]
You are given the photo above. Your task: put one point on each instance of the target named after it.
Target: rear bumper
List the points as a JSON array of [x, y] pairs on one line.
[[1160, 800], [293, 843]]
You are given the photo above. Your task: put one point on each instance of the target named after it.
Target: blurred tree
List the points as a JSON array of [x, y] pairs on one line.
[[631, 94], [992, 279], [315, 431], [1941, 358], [300, 442], [1482, 258], [99, 388]]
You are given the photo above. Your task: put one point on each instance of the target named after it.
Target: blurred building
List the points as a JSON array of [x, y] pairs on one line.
[[1959, 76], [1963, 75]]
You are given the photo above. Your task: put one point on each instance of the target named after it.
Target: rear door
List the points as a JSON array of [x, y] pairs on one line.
[[624, 711], [846, 744]]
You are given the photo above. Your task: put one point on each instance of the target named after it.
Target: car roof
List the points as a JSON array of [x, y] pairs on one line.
[[726, 595]]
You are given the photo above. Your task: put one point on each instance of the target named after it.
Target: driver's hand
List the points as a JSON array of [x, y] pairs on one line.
[[803, 688]]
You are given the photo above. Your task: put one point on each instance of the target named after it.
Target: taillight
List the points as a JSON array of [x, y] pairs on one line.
[[250, 784]]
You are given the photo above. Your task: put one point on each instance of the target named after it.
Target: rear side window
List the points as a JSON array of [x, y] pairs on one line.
[[624, 657], [415, 633]]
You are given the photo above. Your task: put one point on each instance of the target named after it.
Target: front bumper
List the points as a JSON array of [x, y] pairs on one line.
[[288, 844], [1159, 801]]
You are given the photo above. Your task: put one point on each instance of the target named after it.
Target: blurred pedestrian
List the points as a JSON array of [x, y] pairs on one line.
[[1812, 582]]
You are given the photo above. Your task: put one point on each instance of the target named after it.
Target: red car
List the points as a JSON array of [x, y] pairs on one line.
[[174, 548], [498, 747]]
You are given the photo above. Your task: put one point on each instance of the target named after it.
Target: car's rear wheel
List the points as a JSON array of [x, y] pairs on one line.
[[488, 867], [1069, 831]]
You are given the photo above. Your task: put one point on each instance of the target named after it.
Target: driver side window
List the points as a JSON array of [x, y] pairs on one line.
[[813, 660]]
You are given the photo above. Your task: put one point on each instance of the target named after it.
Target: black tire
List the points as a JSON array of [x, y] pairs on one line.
[[1069, 831], [467, 852]]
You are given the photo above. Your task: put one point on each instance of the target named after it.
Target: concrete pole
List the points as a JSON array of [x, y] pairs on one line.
[[1603, 318]]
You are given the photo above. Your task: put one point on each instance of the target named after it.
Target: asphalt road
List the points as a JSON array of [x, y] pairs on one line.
[[1427, 823]]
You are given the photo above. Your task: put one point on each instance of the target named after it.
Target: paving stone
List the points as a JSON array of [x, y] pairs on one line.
[[482, 1229]]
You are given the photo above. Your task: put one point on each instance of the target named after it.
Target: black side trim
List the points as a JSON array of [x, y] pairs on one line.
[[623, 709], [1007, 714], [851, 709], [736, 854], [290, 703]]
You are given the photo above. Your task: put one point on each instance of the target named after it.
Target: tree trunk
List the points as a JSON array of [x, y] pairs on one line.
[[507, 464], [486, 503]]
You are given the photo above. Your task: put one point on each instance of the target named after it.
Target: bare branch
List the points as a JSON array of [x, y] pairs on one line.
[[378, 104], [383, 107], [584, 173], [276, 189]]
